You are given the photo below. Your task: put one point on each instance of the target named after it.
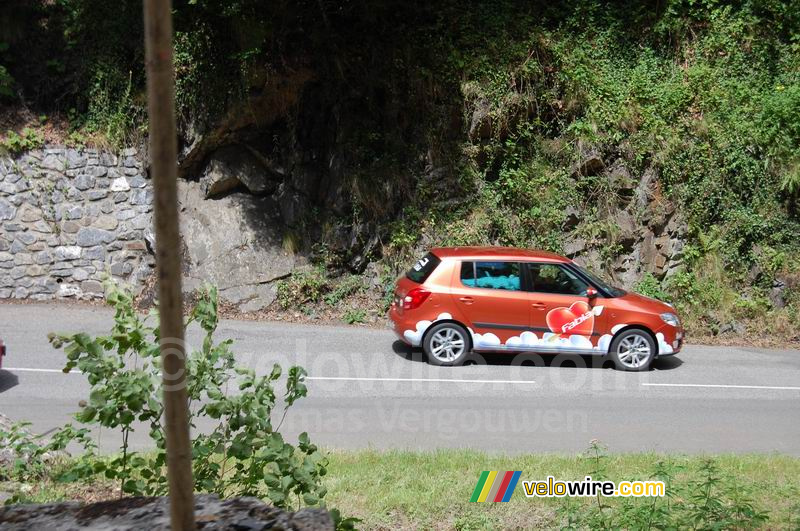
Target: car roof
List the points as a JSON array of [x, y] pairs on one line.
[[497, 253]]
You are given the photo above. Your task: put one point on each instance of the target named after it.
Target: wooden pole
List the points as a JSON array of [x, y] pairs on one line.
[[163, 156]]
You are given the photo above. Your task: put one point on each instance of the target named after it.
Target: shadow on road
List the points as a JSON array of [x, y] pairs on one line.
[[667, 364], [7, 380], [528, 359]]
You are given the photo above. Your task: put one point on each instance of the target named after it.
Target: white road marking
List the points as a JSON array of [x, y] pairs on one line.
[[446, 380], [724, 386], [29, 369], [339, 378], [456, 380]]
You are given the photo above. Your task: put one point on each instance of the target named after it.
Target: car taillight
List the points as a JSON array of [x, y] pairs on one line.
[[414, 298]]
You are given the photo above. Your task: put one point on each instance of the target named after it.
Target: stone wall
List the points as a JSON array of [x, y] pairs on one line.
[[70, 217]]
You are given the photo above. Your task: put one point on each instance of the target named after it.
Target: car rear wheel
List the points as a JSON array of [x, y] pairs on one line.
[[633, 350], [446, 344]]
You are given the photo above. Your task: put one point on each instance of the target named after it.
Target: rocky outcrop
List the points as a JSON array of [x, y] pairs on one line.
[[233, 167], [70, 217], [591, 163], [235, 243], [646, 230], [269, 101], [480, 126], [340, 164], [152, 513]]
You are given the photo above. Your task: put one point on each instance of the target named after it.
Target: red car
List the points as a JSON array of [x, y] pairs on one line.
[[488, 299]]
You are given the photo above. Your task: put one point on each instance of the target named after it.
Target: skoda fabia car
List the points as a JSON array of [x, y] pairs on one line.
[[491, 299]]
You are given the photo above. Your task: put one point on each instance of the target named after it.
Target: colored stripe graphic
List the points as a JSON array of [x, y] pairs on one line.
[[494, 486], [479, 487], [503, 486], [498, 481], [487, 486], [512, 485]]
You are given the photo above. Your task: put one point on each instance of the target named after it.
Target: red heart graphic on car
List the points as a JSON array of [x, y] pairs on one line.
[[577, 319]]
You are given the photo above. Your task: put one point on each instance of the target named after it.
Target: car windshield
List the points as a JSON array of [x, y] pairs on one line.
[[599, 282]]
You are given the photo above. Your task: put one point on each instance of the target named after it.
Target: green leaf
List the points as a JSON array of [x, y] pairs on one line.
[[86, 415]]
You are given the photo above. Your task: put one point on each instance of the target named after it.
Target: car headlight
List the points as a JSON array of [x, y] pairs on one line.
[[670, 319]]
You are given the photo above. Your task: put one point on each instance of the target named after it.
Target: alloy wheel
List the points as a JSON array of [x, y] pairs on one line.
[[634, 351], [447, 344]]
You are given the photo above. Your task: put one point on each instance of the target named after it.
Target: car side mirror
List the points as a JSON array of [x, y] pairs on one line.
[[591, 293]]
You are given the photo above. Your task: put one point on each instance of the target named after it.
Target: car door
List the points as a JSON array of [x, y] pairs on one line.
[[562, 316], [491, 297]]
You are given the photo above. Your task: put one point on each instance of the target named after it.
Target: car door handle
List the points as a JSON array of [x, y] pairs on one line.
[[466, 300], [539, 305]]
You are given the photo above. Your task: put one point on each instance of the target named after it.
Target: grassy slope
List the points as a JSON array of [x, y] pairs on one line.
[[430, 490]]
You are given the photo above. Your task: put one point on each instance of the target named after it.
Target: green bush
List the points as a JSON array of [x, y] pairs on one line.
[[715, 116], [650, 286], [354, 316], [312, 286], [243, 454], [113, 113], [302, 287], [345, 287], [24, 141]]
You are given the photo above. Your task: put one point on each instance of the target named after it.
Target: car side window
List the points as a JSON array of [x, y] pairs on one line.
[[468, 274], [552, 278], [494, 275]]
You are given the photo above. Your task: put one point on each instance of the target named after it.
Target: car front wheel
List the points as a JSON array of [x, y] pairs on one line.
[[446, 344], [633, 350]]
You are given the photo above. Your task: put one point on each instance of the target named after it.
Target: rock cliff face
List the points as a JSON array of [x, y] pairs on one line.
[[338, 159], [300, 162], [235, 243], [649, 233], [71, 217]]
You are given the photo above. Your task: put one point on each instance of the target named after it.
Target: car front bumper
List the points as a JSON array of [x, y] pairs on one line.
[[670, 340]]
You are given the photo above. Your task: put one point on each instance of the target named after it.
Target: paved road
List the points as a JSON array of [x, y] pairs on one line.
[[366, 390]]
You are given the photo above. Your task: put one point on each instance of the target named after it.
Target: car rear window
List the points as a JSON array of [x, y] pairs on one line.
[[423, 268]]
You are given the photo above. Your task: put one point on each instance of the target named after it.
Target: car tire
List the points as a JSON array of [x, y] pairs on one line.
[[446, 344], [633, 350]]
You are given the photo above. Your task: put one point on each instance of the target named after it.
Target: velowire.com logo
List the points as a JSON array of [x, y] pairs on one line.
[[494, 486]]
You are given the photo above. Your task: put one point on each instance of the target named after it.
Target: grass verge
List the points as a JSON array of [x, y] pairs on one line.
[[402, 490], [431, 490]]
